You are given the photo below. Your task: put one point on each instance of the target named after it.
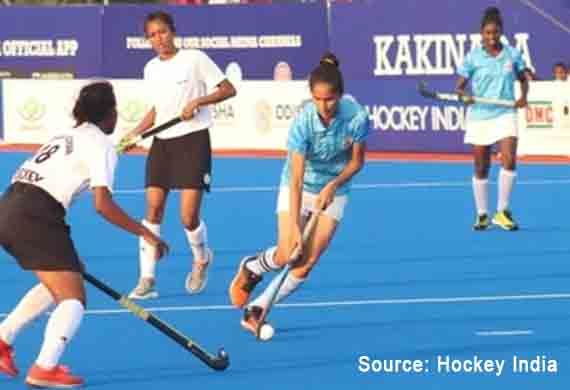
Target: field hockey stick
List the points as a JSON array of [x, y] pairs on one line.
[[454, 97], [122, 146], [307, 232], [218, 362]]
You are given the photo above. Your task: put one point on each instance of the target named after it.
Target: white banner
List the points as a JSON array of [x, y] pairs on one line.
[[544, 127], [257, 118]]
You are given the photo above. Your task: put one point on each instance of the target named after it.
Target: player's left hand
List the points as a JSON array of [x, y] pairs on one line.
[[521, 102], [190, 110], [326, 196]]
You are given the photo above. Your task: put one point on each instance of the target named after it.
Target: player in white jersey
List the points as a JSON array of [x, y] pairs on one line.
[[34, 231], [326, 147], [180, 157]]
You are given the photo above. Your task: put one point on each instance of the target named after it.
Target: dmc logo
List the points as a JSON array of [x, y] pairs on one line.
[[32, 110], [539, 115], [133, 111], [263, 114]]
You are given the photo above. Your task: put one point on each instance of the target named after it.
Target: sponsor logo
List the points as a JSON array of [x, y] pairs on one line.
[[224, 113], [133, 111], [263, 113], [539, 115], [32, 111]]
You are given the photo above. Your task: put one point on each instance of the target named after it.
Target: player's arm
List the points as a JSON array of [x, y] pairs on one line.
[[108, 209], [522, 101], [354, 165], [460, 86], [224, 90], [146, 123]]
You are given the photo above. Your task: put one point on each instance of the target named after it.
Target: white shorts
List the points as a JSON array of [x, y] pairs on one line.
[[335, 210], [489, 131]]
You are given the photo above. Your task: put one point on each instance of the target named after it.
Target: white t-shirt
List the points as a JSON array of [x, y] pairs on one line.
[[71, 162], [173, 83]]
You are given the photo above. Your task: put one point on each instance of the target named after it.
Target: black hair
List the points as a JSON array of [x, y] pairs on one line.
[[328, 72], [560, 64], [94, 102], [161, 16], [492, 15]]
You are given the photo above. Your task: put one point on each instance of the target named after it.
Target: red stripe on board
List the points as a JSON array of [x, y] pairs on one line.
[[376, 156]]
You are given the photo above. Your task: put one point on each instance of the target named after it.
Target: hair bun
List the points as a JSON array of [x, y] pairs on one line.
[[329, 59], [492, 11]]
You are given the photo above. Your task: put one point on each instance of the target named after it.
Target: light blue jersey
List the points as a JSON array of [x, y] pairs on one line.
[[491, 77], [327, 150]]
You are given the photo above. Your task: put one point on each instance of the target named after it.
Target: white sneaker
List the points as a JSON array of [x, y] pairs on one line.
[[144, 290], [198, 278]]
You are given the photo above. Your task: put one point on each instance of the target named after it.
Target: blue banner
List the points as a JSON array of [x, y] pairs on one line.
[[258, 40], [397, 44], [50, 42]]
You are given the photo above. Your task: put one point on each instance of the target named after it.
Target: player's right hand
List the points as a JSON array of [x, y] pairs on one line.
[[161, 247]]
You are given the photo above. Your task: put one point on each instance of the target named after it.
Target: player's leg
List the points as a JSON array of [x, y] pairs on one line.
[[279, 288], [197, 235], [155, 204], [506, 180], [300, 270], [68, 291], [251, 268], [480, 182], [193, 174]]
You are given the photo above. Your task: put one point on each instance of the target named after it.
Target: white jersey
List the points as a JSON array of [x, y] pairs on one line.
[[173, 83], [71, 162]]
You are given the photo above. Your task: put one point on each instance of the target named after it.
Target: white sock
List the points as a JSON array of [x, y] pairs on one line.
[[147, 253], [506, 181], [31, 306], [289, 286], [264, 262], [480, 191], [198, 240], [60, 329]]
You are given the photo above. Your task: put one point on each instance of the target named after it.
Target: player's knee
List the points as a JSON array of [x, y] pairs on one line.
[[481, 171], [509, 163], [191, 221], [154, 214], [303, 271], [281, 256]]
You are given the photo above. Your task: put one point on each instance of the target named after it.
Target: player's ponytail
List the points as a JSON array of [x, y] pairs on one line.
[[94, 103], [328, 72], [492, 15]]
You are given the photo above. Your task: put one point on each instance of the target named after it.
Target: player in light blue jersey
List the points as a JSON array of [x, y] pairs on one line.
[[492, 70], [325, 150]]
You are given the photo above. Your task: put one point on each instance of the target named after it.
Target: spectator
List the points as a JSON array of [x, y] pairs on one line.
[[560, 71]]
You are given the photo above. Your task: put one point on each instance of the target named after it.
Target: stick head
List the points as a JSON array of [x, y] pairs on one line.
[[423, 89], [221, 362]]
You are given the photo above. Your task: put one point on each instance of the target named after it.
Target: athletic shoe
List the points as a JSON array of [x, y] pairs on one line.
[[482, 222], [197, 279], [243, 283], [504, 219], [251, 319], [58, 377], [7, 365], [144, 290]]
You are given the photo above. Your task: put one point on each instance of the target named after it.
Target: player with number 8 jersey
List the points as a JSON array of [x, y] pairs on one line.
[[33, 230]]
